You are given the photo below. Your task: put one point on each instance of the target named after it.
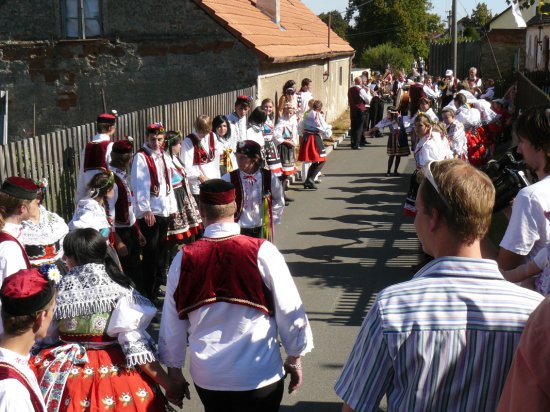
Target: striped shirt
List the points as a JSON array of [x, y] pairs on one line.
[[442, 341]]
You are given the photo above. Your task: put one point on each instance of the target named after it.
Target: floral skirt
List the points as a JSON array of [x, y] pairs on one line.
[[187, 221], [103, 383]]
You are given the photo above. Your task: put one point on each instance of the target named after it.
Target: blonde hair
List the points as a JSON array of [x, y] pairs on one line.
[[203, 124]]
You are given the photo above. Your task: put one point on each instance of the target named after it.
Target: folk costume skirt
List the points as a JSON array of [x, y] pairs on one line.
[[312, 148], [398, 144], [272, 158], [187, 221], [288, 159], [101, 383]]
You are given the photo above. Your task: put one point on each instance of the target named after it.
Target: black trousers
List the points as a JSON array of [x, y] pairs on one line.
[[312, 172], [357, 124], [154, 262], [376, 111], [266, 399], [131, 263], [252, 231]]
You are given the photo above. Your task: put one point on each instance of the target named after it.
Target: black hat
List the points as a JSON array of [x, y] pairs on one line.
[[249, 148], [20, 188]]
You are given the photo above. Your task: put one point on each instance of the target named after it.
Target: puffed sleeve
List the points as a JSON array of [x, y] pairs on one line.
[[128, 322]]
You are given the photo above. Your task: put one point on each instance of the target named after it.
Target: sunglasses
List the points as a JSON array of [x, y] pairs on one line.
[[430, 177]]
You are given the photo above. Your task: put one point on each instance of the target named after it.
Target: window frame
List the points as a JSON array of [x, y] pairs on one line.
[[81, 20]]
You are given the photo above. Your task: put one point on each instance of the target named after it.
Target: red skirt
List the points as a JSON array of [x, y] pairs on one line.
[[312, 148], [104, 383]]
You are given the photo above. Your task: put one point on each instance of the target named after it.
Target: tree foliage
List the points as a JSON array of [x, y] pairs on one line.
[[338, 24], [481, 15], [404, 24], [378, 56]]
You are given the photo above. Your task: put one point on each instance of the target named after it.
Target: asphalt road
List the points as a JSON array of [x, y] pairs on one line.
[[343, 244]]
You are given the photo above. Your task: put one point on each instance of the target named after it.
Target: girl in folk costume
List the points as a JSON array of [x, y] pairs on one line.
[[106, 360], [155, 202], [237, 119], [259, 194], [432, 145], [273, 162], [186, 222], [93, 210], [288, 97], [398, 143], [201, 154], [312, 148], [28, 302], [286, 137], [43, 232], [255, 129], [17, 203], [227, 144], [128, 236]]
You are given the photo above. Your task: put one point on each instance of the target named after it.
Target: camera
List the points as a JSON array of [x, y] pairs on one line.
[[508, 177]]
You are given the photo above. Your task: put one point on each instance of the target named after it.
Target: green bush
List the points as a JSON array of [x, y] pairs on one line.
[[379, 56]]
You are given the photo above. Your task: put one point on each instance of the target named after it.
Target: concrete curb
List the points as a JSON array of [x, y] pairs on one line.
[[328, 149]]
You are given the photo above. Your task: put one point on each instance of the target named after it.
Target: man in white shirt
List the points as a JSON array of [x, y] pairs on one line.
[[256, 187], [231, 297], [28, 305], [96, 156], [237, 119], [155, 202], [303, 96], [528, 229]]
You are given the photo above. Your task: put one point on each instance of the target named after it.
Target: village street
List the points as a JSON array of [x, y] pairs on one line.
[[343, 244]]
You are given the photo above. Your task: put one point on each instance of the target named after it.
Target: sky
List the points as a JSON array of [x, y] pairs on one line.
[[441, 7]]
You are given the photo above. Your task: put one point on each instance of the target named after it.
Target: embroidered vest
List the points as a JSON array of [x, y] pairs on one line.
[[8, 371], [199, 154], [123, 203], [153, 173], [6, 237], [222, 270], [235, 177], [94, 156]]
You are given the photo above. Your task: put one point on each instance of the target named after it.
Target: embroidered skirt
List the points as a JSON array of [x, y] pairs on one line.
[[187, 221], [312, 148], [398, 144], [288, 159], [102, 383], [272, 158]]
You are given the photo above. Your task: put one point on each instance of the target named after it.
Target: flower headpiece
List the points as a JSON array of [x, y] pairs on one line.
[[50, 272], [42, 184], [156, 128]]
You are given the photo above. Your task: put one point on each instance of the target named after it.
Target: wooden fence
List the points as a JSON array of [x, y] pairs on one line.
[[56, 155], [441, 57], [529, 93]]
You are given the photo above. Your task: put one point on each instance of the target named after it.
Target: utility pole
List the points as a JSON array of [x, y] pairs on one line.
[[454, 34]]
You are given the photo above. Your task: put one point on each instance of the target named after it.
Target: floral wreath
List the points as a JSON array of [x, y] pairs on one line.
[[51, 272]]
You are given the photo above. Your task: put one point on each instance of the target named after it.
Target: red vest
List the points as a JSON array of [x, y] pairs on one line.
[[6, 237], [122, 215], [94, 156], [354, 99], [153, 173], [235, 177], [222, 270], [199, 154], [8, 371]]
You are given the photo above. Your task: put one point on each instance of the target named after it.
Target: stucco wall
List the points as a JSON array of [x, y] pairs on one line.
[[329, 89], [506, 44], [156, 53]]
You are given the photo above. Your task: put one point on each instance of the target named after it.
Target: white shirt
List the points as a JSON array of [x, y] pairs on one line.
[[283, 128], [89, 213], [131, 215], [528, 230], [303, 99], [13, 395], [251, 215], [489, 93], [235, 347], [165, 203], [238, 126], [434, 148], [255, 133], [431, 92], [211, 169], [84, 177]]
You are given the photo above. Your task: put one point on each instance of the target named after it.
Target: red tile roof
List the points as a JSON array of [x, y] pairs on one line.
[[302, 35]]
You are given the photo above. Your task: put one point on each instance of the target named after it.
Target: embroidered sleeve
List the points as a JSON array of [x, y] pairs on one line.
[[128, 322]]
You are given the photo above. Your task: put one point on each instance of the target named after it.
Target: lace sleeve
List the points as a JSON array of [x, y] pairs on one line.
[[128, 322]]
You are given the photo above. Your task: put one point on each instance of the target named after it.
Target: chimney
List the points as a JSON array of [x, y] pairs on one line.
[[272, 8]]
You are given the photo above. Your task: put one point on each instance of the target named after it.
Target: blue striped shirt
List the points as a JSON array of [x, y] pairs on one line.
[[442, 341]]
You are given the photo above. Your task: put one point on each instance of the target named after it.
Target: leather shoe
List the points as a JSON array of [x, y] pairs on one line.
[[310, 186]]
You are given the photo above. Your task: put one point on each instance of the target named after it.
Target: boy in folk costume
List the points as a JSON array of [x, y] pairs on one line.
[[28, 303], [237, 119], [259, 194], [96, 156], [154, 203]]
